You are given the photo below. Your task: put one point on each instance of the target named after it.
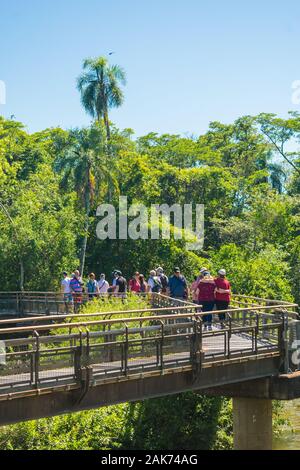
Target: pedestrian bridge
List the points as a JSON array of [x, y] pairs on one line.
[[53, 362]]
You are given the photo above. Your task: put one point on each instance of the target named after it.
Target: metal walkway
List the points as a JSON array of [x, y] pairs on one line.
[[51, 353]]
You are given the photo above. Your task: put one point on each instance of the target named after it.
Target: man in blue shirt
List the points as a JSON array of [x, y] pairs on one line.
[[178, 288]]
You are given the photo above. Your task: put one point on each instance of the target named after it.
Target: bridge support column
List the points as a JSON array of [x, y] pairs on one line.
[[252, 424]]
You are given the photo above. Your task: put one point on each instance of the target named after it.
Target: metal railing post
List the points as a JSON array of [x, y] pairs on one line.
[[229, 334], [32, 367], [256, 333], [78, 358], [88, 346], [285, 342], [126, 349], [36, 358], [196, 349], [162, 338]]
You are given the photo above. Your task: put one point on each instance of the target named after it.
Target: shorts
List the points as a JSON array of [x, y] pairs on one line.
[[68, 298]]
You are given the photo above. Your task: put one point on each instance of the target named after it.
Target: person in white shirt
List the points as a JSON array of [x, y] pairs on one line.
[[65, 284], [154, 284], [66, 290], [103, 285]]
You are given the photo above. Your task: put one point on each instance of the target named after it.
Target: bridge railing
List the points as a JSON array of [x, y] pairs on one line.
[[54, 303], [57, 349], [46, 303], [50, 355], [239, 300]]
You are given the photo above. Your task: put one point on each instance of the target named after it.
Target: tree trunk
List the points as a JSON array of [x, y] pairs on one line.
[[83, 247], [86, 232], [106, 122]]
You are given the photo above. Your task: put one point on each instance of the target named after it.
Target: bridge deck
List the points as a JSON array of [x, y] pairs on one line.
[[212, 347]]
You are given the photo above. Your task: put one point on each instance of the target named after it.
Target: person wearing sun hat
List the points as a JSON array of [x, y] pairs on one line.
[[201, 273], [222, 294]]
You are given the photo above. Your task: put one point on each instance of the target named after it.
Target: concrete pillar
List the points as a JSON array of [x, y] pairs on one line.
[[252, 424]]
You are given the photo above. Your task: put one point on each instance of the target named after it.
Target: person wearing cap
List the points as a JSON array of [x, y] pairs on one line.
[[121, 285], [206, 297], [163, 279], [178, 288], [103, 285], [222, 294], [66, 290], [202, 270]]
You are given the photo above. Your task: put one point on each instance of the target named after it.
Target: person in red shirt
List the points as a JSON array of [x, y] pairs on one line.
[[222, 294], [134, 283], [206, 297]]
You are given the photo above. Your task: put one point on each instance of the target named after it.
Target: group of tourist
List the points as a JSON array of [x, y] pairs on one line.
[[208, 291]]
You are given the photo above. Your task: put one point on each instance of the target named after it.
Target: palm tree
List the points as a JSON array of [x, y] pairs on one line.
[[99, 88], [85, 165]]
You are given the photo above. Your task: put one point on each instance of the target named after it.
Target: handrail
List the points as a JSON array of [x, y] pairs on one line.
[[135, 319], [169, 334], [96, 314], [251, 297], [246, 296], [83, 335]]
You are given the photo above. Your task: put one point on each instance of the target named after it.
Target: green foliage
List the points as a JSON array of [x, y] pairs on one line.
[[262, 275], [181, 422], [90, 430], [43, 233], [50, 185], [184, 422]]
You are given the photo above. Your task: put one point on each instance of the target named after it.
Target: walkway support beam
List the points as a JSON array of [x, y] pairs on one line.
[[252, 424]]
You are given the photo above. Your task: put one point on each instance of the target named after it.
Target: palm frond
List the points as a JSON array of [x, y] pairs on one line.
[[99, 86]]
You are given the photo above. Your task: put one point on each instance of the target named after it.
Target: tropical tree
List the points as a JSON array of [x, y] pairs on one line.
[[280, 133], [37, 233], [100, 90], [85, 167]]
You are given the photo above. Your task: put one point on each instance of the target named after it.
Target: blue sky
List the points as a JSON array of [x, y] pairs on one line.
[[187, 62]]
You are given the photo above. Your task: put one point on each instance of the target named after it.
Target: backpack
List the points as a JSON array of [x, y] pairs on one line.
[[122, 283], [164, 281], [157, 285]]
